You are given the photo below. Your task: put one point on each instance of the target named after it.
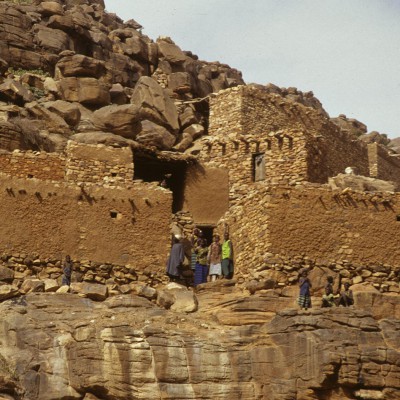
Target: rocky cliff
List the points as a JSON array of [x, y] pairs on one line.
[[236, 346], [69, 69]]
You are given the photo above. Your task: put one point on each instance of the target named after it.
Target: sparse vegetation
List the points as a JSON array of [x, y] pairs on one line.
[[6, 368], [38, 93], [21, 71]]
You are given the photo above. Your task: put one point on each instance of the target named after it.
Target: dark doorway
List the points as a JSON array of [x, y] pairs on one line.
[[208, 232], [152, 169]]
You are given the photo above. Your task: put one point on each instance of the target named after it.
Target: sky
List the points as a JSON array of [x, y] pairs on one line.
[[346, 51]]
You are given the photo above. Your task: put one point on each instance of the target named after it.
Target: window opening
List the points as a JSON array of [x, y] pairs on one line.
[[258, 165]]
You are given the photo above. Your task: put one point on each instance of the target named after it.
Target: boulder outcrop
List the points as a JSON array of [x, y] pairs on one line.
[[84, 56]]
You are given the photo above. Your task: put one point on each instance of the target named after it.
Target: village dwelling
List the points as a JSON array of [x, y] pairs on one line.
[[270, 172]]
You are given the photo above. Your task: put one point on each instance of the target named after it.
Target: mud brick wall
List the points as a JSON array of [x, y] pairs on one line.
[[106, 225], [383, 165], [98, 164], [33, 164]]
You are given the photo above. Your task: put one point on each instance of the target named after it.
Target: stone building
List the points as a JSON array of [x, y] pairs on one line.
[[263, 173]]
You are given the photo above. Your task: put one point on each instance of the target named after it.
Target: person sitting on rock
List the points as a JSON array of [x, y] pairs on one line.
[[304, 300], [328, 299], [67, 271], [346, 296]]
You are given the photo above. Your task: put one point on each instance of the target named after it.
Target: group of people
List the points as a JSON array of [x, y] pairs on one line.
[[207, 262], [329, 299]]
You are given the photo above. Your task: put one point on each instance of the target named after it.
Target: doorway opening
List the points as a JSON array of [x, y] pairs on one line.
[[208, 231]]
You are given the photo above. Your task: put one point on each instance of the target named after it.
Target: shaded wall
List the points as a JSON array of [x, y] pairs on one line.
[[383, 165], [121, 226], [206, 194]]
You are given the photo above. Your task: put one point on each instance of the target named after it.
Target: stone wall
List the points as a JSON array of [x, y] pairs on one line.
[[98, 164], [332, 151], [283, 229], [123, 226], [383, 165], [284, 155], [303, 144], [33, 164]]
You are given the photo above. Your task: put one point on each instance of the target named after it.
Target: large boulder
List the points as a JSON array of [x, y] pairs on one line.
[[155, 135], [80, 65], [6, 274], [84, 90], [54, 40], [14, 91], [122, 120], [8, 291], [177, 298], [69, 112], [32, 285], [93, 291], [170, 51], [154, 104]]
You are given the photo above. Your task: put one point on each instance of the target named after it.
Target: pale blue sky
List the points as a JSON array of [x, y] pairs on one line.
[[346, 51]]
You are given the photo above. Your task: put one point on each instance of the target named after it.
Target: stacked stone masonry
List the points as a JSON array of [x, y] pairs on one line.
[[384, 165], [278, 231], [98, 164], [33, 164]]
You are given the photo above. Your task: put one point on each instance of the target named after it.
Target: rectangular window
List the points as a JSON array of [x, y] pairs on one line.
[[258, 167]]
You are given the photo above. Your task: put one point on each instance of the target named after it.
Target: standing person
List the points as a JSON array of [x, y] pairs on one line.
[[227, 257], [67, 271], [195, 242], [328, 299], [346, 298], [201, 272], [305, 296], [175, 259], [214, 259]]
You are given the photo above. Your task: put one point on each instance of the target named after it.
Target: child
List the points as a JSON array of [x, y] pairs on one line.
[[214, 259], [305, 297]]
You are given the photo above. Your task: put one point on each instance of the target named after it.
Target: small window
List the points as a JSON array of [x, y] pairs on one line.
[[258, 167], [114, 214], [398, 218], [114, 174], [30, 176]]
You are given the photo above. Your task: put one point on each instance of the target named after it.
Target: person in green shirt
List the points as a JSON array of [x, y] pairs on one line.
[[227, 257]]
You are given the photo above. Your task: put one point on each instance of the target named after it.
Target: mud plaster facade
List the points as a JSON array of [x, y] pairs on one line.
[[93, 218], [290, 217]]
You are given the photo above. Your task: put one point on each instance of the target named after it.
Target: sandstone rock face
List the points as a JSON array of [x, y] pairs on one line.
[[78, 53], [155, 135], [122, 120], [62, 346], [84, 90], [155, 105]]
